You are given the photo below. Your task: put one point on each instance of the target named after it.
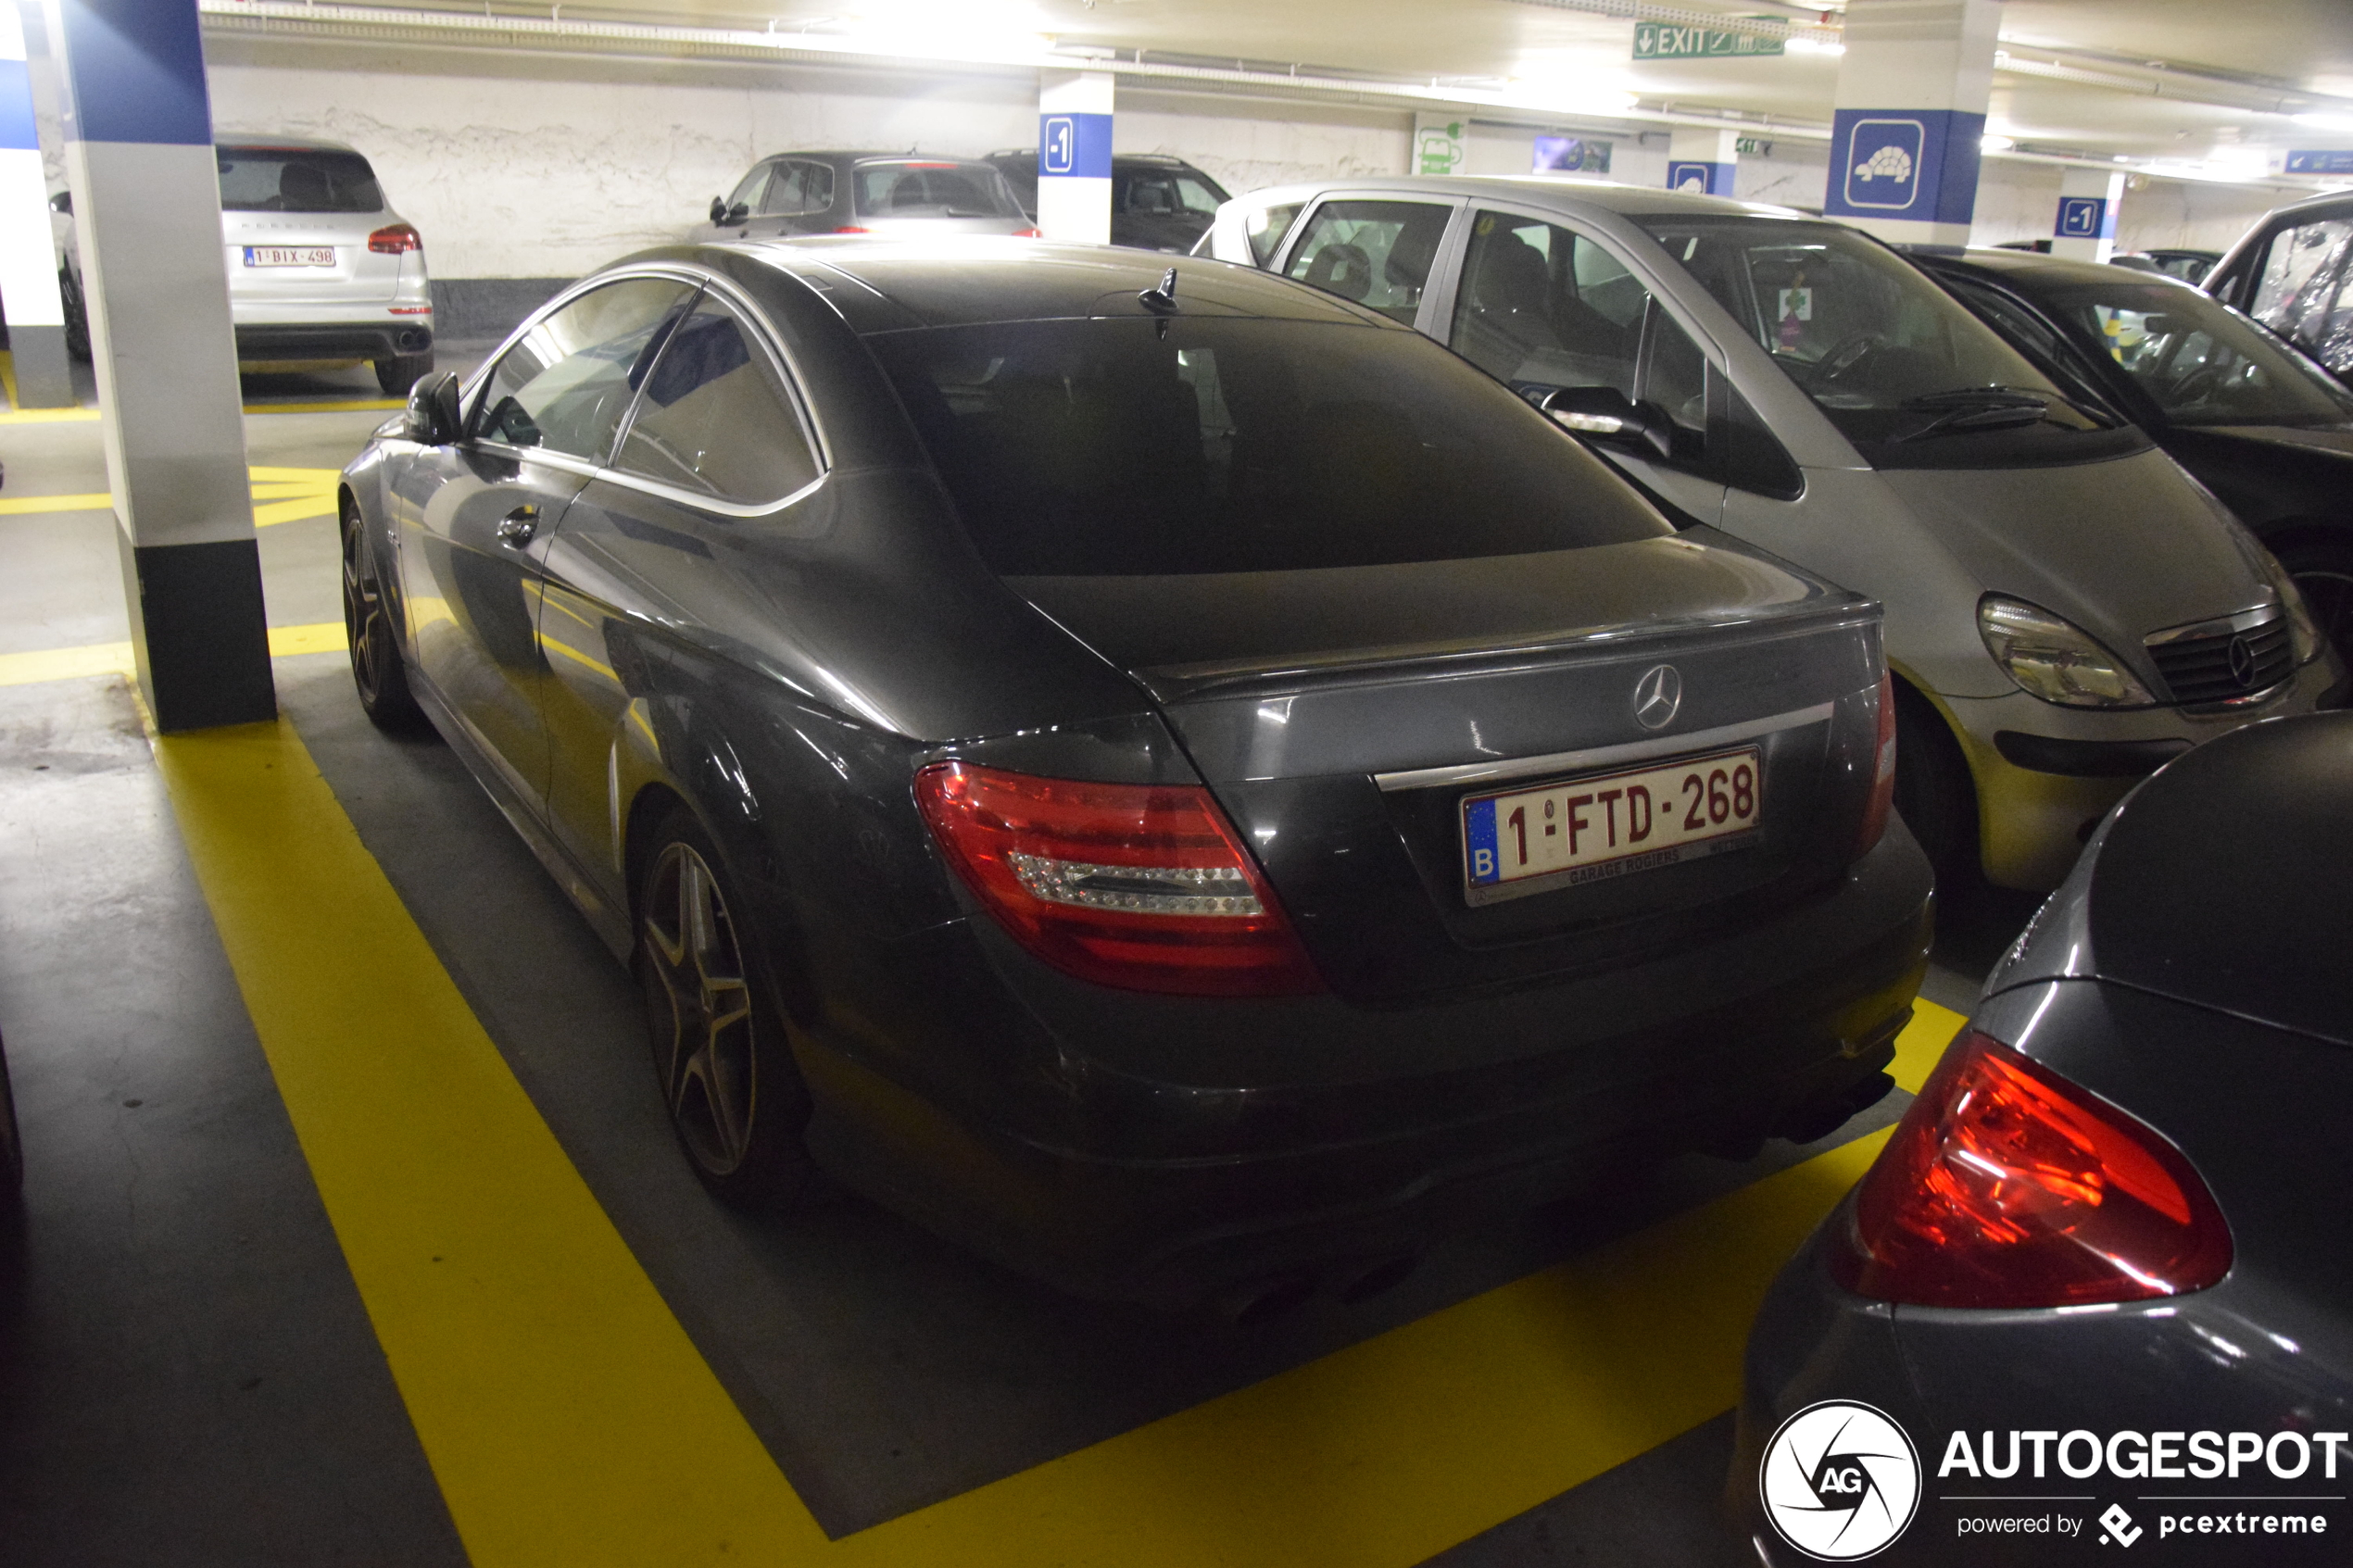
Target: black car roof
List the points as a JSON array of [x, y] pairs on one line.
[[2221, 881], [2028, 270], [882, 285]]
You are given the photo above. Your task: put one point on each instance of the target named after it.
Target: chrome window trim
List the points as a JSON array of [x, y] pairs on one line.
[[781, 359], [1604, 756], [2220, 626]]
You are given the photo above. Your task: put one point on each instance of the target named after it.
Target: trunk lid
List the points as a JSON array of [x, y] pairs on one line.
[[1343, 716]]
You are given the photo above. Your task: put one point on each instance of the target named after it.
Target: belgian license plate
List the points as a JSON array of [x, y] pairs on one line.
[[290, 256], [1609, 824]]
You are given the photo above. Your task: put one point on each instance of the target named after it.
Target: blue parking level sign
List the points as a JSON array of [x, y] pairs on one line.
[[2081, 217]]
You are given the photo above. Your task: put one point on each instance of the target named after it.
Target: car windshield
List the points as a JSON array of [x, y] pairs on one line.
[[1899, 366], [917, 188], [297, 180], [1136, 448], [2198, 359]]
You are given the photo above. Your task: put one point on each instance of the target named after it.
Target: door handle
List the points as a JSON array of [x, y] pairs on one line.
[[517, 527]]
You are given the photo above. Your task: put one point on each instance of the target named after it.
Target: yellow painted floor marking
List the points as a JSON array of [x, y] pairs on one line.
[[46, 416], [16, 415], [280, 494], [115, 659], [570, 1421], [20, 506], [8, 376], [567, 1416]]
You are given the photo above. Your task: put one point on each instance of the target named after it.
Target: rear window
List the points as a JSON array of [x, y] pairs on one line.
[[297, 180], [1134, 448], [922, 189]]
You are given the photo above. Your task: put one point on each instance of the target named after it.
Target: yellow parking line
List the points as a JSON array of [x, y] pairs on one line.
[[280, 494], [570, 1421], [115, 659], [21, 505]]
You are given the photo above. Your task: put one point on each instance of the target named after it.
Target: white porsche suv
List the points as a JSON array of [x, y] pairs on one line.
[[320, 269]]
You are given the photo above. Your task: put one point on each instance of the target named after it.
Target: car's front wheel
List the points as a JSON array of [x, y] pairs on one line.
[[377, 667], [2323, 573], [1935, 794], [397, 374], [735, 1097]]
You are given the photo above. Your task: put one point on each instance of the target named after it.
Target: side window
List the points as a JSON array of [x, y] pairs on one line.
[[1266, 226], [798, 188], [1154, 193], [2305, 291], [746, 193], [1674, 379], [565, 383], [1378, 253], [1541, 306], [715, 418]]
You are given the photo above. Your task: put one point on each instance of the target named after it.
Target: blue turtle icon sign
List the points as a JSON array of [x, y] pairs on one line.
[[1884, 164]]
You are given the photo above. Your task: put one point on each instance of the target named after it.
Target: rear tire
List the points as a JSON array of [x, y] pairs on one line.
[[1935, 795], [403, 372], [378, 669], [2323, 573], [734, 1098], [77, 315]]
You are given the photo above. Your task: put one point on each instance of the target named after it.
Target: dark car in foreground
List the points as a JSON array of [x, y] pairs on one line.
[[11, 1146], [904, 194], [2099, 1283], [2293, 271], [1176, 782], [2252, 417], [1157, 201]]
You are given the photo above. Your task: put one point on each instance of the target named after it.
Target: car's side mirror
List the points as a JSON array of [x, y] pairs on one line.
[[724, 216], [62, 203], [1604, 413], [432, 419], [719, 209]]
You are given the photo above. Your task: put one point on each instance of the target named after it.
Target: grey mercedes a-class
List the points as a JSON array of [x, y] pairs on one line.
[[1172, 780]]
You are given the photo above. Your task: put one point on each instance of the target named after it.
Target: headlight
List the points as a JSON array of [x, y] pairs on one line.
[[2056, 659], [2303, 631]]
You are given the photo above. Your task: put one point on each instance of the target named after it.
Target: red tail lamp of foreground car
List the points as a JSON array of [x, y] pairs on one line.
[[2007, 1186], [395, 239], [1144, 887]]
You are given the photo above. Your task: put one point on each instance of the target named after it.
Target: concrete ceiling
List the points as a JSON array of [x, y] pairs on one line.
[[2187, 81]]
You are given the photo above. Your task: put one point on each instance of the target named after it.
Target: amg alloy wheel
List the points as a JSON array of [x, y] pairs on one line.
[[377, 667], [728, 1077]]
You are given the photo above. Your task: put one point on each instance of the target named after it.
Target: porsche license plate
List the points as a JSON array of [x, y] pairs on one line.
[[290, 256], [1609, 824]]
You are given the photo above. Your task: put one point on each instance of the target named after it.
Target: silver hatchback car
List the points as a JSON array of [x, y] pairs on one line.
[[2066, 609], [320, 267]]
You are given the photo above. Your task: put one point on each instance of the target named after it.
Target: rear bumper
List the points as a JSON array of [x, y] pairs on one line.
[[1158, 1148], [336, 340]]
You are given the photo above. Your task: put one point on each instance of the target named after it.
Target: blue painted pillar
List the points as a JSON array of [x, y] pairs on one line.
[[1906, 134], [1702, 161], [1073, 156], [36, 314], [147, 209]]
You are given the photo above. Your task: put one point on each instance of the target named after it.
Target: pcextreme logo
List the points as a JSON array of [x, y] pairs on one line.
[[1841, 1481]]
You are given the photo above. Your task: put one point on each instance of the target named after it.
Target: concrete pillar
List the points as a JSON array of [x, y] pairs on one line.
[[36, 315], [146, 203], [1073, 156], [1912, 90], [1702, 161], [2085, 229]]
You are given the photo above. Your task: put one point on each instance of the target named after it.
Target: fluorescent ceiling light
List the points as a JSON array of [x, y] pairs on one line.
[[1813, 46], [1994, 144], [2325, 121]]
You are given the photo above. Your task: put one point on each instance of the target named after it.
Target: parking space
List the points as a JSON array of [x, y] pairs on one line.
[[1172, 788]]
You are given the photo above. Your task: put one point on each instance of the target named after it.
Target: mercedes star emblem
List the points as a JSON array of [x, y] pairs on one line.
[[1656, 697], [2243, 663]]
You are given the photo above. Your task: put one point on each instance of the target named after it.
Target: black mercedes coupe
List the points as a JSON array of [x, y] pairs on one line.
[[1170, 779]]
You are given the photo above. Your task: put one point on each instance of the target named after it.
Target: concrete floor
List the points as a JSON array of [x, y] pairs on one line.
[[187, 1373]]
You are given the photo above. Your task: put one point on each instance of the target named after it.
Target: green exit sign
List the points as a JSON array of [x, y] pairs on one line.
[[1752, 146], [1661, 41]]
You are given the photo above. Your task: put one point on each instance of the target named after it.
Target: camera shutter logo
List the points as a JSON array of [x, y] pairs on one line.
[[1657, 695], [1841, 1481]]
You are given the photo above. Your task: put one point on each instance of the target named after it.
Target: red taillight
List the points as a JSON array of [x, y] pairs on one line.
[[1144, 887], [1029, 235], [853, 228], [1883, 797], [395, 239], [2005, 1186]]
